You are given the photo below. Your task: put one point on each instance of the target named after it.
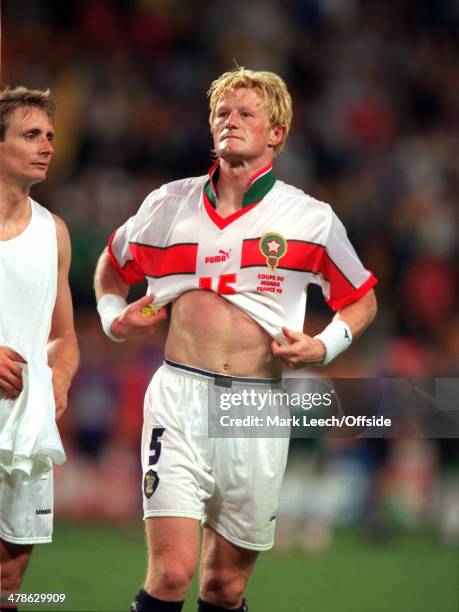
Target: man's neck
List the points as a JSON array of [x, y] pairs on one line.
[[233, 181], [14, 202]]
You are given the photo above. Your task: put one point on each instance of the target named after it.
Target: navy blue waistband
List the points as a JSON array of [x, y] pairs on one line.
[[223, 380]]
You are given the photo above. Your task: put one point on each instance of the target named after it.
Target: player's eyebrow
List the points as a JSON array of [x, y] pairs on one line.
[[249, 109], [225, 106]]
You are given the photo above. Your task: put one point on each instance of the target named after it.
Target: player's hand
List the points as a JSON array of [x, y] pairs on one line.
[[302, 350], [10, 372], [139, 319], [61, 385]]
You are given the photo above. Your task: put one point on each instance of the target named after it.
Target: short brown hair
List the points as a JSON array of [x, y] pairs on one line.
[[270, 87], [12, 98]]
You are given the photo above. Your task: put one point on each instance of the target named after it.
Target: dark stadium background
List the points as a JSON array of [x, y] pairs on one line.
[[364, 526]]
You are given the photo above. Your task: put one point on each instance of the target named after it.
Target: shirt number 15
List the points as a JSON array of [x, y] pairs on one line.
[[221, 284]]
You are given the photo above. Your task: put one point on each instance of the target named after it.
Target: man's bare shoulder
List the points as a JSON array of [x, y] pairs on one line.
[[62, 234], [61, 226]]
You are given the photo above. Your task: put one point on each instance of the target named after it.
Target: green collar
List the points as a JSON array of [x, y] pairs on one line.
[[260, 184]]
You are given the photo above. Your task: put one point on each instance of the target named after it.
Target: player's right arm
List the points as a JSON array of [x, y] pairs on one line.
[[10, 372], [130, 321]]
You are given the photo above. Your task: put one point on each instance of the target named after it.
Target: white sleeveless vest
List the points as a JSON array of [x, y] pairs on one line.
[[28, 284], [29, 438]]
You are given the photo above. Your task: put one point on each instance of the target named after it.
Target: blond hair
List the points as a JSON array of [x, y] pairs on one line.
[[270, 88], [12, 98]]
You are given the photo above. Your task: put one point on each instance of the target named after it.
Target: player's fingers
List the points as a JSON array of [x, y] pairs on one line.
[[292, 335], [12, 378], [275, 346], [146, 299], [9, 390], [141, 302], [287, 362], [148, 320], [148, 323], [150, 317], [15, 370], [280, 350], [134, 308], [296, 365], [161, 315], [146, 306], [136, 312], [13, 355]]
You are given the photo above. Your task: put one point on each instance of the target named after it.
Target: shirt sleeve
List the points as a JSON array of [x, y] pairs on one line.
[[343, 278], [120, 254], [119, 245]]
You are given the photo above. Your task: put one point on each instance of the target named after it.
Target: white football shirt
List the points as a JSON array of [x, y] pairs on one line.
[[261, 258]]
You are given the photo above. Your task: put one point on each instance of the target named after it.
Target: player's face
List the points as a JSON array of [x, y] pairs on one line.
[[27, 148], [241, 128]]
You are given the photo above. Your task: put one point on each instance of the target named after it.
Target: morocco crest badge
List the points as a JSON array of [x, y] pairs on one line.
[[273, 246]]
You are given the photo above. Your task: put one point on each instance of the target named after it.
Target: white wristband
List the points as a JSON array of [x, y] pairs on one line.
[[109, 307], [336, 338]]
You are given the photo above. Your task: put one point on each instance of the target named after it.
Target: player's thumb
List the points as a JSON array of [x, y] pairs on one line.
[[291, 335], [146, 300]]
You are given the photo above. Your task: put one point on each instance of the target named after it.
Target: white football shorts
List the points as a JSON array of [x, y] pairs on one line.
[[231, 484], [26, 508]]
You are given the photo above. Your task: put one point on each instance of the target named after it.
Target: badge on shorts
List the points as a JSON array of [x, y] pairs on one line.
[[150, 483], [273, 246]]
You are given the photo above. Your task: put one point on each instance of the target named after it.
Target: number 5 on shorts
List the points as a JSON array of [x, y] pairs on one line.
[[155, 445]]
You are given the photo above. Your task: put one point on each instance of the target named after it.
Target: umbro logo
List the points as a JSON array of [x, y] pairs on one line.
[[346, 335], [222, 256], [45, 511]]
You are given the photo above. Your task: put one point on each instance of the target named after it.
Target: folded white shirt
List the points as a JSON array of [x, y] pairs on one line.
[[29, 439]]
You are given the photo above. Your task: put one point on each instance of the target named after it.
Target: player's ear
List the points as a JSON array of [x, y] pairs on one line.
[[277, 135]]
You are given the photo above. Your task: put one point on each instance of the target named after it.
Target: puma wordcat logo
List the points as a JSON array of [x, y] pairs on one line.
[[222, 256]]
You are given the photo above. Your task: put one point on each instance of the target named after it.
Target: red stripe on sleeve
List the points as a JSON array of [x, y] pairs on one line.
[[341, 289], [130, 272], [337, 302]]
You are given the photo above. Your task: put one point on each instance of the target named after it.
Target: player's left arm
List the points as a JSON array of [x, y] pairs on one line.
[[63, 355], [305, 350]]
